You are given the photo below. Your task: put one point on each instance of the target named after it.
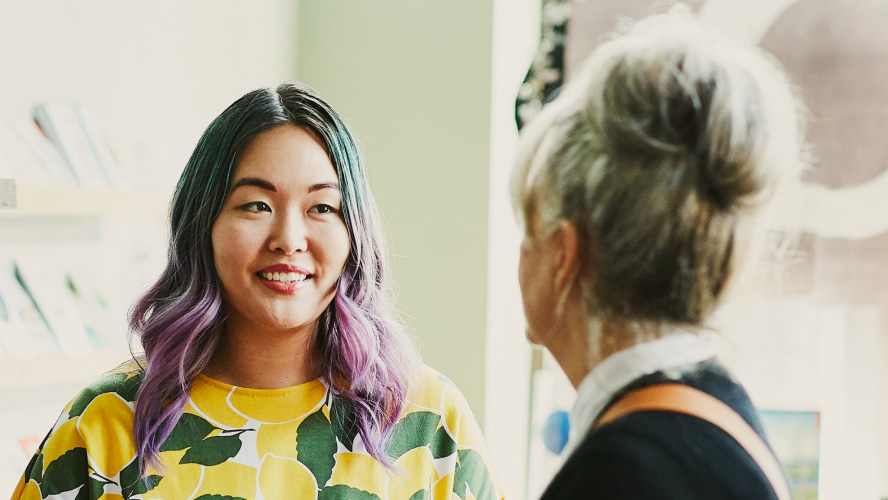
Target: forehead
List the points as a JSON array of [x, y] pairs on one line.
[[285, 154]]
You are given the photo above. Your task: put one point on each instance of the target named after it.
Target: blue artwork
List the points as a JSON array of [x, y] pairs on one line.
[[795, 437]]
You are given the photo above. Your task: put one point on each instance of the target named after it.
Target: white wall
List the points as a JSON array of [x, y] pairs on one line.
[[429, 88], [157, 71], [413, 81]]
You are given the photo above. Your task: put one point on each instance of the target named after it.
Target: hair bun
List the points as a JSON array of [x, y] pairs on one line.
[[676, 105]]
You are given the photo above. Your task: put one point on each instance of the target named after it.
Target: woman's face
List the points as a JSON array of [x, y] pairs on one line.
[[535, 279], [280, 241]]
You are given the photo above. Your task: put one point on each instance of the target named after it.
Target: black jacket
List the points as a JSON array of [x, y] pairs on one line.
[[665, 455]]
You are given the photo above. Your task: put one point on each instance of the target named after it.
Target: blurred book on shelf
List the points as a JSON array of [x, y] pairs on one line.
[[93, 305], [54, 164], [24, 334], [109, 161], [61, 145], [61, 125], [18, 162], [54, 308], [48, 289]]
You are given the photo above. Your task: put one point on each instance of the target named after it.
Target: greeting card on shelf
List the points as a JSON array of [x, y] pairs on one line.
[[49, 157], [18, 162], [95, 130], [93, 306], [60, 123], [24, 334], [49, 293]]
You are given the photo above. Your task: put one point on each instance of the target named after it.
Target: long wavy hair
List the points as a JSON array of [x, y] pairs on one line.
[[364, 350]]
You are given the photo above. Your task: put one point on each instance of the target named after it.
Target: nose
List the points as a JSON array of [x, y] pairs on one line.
[[289, 234]]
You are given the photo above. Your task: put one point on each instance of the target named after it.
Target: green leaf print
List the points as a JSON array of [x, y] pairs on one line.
[[420, 495], [343, 492], [131, 482], [443, 445], [190, 430], [212, 451], [34, 470], [96, 487], [218, 497], [414, 430], [342, 418], [316, 445], [65, 473], [472, 470], [122, 384]]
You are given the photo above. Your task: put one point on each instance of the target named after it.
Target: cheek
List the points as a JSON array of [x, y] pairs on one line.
[[229, 248], [338, 248]]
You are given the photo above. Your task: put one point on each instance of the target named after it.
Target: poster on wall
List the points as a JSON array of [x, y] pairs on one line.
[[795, 438]]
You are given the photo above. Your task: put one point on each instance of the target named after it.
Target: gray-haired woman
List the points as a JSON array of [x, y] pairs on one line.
[[640, 190]]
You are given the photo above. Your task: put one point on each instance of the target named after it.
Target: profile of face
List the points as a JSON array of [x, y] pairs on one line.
[[280, 240], [536, 280]]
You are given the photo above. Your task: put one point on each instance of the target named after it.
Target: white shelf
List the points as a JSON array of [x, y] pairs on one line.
[[66, 202]]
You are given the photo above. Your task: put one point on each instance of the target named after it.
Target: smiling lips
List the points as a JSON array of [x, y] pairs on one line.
[[283, 277]]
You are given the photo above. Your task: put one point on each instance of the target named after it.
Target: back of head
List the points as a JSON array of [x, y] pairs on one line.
[[660, 152]]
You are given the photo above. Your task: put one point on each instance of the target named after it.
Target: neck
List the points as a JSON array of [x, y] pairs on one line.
[[262, 359], [585, 345]]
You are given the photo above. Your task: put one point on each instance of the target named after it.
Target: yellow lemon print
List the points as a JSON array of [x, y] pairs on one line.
[[277, 439], [359, 471], [110, 496], [459, 421], [177, 478], [425, 390], [278, 405], [443, 489], [108, 419], [208, 397], [285, 479], [64, 439], [229, 479], [27, 491], [418, 472]]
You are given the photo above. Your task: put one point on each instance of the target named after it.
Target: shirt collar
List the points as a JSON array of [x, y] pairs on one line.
[[621, 368]]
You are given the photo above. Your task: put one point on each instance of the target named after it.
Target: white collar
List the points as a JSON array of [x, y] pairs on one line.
[[621, 368]]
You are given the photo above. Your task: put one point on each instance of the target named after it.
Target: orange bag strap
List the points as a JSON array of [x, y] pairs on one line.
[[680, 398]]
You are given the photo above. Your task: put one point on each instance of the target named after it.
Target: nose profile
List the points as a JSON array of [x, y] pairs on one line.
[[289, 234]]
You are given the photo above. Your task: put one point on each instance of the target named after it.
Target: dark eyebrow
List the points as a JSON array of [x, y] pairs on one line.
[[254, 181], [323, 185]]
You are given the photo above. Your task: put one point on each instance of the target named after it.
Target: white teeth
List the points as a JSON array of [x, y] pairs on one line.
[[284, 277]]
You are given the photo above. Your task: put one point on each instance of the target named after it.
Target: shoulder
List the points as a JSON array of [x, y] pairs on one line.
[[437, 419], [431, 393], [429, 389], [120, 385], [93, 431], [660, 455]]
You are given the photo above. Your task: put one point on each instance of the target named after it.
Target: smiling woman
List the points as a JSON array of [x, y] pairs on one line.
[[274, 364]]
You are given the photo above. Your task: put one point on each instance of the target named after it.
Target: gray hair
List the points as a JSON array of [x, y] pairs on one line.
[[659, 152]]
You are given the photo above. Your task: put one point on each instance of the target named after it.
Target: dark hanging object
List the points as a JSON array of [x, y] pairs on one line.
[[546, 74]]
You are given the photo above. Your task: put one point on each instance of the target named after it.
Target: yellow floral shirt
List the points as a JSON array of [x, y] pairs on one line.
[[235, 443]]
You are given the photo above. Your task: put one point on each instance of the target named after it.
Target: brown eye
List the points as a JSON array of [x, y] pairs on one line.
[[322, 209], [256, 206]]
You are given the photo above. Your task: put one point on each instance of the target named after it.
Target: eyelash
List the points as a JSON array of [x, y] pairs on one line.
[[257, 206], [328, 209], [261, 206]]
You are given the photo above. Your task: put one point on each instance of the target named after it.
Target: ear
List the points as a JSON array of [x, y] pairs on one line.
[[566, 241]]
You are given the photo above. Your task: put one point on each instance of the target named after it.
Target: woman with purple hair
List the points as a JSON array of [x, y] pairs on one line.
[[274, 364]]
